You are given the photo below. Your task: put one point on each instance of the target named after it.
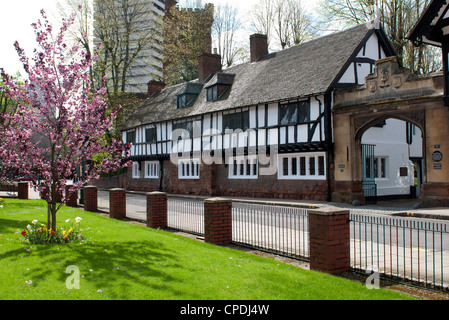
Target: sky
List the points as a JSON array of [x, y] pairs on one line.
[[17, 17]]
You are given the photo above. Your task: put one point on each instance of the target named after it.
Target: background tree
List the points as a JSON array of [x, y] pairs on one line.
[[81, 34], [396, 17], [187, 35], [285, 22], [262, 18], [60, 123], [226, 25]]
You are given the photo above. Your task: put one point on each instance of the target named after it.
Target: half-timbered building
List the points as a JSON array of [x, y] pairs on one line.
[[259, 129]]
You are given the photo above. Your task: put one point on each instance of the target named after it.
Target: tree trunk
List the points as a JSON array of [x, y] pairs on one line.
[[51, 216]]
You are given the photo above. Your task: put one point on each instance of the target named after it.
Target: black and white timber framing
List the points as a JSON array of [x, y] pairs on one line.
[[282, 101]]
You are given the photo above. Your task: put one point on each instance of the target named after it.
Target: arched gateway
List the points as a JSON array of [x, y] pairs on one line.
[[391, 92]]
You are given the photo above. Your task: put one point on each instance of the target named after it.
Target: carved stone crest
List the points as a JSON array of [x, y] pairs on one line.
[[384, 77], [372, 86], [397, 81]]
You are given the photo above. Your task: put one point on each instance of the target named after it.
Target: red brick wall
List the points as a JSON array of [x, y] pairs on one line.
[[214, 181], [329, 241], [205, 186], [71, 197], [23, 190], [270, 187], [117, 203], [90, 198], [218, 221], [157, 210]]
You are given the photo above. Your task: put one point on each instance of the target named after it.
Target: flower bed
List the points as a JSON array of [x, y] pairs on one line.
[[40, 234]]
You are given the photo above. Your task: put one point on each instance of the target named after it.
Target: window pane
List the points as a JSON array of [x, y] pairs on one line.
[[293, 113], [368, 168], [375, 168], [236, 121], [294, 166], [285, 166], [288, 114], [131, 137], [302, 166], [312, 166], [382, 167], [321, 165], [303, 112], [150, 135]]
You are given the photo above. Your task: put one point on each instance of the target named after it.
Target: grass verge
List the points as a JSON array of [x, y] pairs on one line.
[[124, 261]]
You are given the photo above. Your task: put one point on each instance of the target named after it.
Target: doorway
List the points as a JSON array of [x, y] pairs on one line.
[[392, 153]]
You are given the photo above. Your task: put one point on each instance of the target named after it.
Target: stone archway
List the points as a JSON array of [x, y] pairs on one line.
[[392, 92]]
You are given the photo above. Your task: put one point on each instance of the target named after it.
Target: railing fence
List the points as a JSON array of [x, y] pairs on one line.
[[402, 249]]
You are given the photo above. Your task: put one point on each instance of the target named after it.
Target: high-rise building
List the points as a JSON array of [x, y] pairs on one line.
[[130, 34]]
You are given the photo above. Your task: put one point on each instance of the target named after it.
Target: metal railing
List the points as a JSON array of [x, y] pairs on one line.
[[402, 249], [186, 214], [277, 229]]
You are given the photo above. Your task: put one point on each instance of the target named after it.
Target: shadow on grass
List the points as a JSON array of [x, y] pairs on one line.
[[128, 270], [9, 226]]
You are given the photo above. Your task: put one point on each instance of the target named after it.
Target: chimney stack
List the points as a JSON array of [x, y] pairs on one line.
[[155, 86], [208, 64], [258, 46]]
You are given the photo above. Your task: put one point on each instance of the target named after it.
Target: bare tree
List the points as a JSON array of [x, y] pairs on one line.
[[301, 23], [262, 18], [396, 17], [124, 29], [226, 24], [283, 20]]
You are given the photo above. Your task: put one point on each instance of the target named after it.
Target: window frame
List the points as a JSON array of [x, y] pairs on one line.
[[131, 136], [236, 164], [193, 166], [151, 135], [240, 121], [184, 100], [151, 170], [295, 109], [136, 174], [300, 165]]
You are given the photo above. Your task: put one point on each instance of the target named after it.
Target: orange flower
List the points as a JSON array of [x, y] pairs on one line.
[[51, 232]]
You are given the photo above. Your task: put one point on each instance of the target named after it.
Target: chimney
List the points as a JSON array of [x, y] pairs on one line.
[[155, 86], [258, 46], [208, 64]]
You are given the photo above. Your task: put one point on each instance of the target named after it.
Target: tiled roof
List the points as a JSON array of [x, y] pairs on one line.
[[306, 69]]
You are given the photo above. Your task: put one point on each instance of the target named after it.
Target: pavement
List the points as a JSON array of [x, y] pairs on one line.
[[406, 207]]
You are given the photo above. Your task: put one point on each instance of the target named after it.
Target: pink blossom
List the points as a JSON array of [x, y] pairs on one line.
[[60, 124]]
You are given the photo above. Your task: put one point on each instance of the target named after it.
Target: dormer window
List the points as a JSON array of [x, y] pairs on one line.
[[184, 100], [218, 86], [212, 93], [188, 95]]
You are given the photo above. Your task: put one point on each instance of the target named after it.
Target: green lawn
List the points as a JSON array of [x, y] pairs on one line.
[[124, 261]]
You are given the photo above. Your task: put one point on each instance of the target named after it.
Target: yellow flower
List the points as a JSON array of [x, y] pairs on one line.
[[64, 233], [70, 230]]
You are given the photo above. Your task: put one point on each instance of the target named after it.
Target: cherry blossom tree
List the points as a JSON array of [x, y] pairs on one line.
[[60, 123]]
